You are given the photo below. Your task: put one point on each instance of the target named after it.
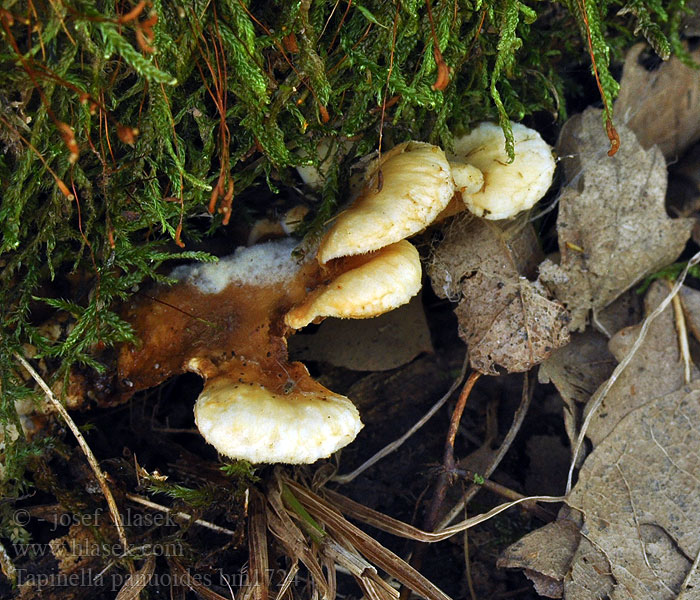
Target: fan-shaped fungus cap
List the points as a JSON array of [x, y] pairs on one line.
[[509, 188], [405, 191], [297, 422], [373, 284]]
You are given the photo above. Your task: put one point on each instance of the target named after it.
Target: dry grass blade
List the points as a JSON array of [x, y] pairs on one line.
[[293, 540], [682, 331], [289, 579], [183, 577], [137, 581], [257, 548], [347, 557], [376, 519], [342, 553], [367, 545], [377, 589], [386, 523], [335, 550], [370, 581], [330, 567]]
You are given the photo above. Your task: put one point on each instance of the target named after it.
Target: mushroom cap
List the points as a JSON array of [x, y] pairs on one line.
[[416, 184], [509, 188], [248, 421], [468, 179], [373, 284]]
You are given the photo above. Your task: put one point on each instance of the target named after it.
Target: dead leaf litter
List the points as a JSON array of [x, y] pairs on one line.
[[612, 226], [506, 320]]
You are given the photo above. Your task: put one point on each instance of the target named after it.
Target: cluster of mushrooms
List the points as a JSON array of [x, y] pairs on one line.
[[229, 321]]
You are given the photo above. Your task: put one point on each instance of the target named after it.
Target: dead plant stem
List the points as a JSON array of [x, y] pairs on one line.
[[383, 522], [518, 418], [180, 515], [504, 492], [446, 476], [92, 460], [449, 457], [682, 332]]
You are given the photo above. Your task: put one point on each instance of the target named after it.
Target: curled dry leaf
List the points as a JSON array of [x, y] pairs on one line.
[[637, 493], [576, 370], [580, 367], [506, 320], [612, 227], [669, 120], [544, 563]]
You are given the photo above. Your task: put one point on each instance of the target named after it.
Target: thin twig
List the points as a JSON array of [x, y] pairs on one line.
[[92, 460], [598, 401], [180, 515], [467, 563], [518, 418], [449, 457], [446, 475], [448, 462], [389, 448]]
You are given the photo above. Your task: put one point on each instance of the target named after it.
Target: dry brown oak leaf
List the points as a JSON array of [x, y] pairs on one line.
[[612, 226], [638, 492], [640, 495], [506, 320], [580, 367], [543, 562], [669, 120], [576, 370]]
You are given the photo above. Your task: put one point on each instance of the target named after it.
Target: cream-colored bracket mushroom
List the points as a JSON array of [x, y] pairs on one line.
[[373, 284], [508, 187], [251, 422], [247, 412], [229, 321], [404, 193]]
